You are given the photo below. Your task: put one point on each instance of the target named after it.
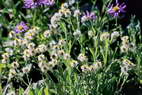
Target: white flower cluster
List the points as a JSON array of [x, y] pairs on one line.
[[94, 67], [126, 66], [126, 45]]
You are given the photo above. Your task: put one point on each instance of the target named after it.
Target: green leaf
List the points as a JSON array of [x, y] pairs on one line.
[[31, 92], [46, 92], [40, 92], [2, 66]]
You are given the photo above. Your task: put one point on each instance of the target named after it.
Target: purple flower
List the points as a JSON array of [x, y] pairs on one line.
[[36, 3], [88, 16], [31, 3], [48, 2], [22, 27], [117, 9]]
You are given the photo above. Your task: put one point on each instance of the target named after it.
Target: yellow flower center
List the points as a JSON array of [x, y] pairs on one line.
[[20, 27], [116, 8]]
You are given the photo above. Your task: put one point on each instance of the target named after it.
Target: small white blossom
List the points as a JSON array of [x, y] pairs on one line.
[[124, 48], [85, 68], [77, 13], [114, 36], [12, 73], [41, 58], [28, 53], [54, 55], [61, 52], [47, 33], [71, 2], [12, 34], [30, 34], [31, 46], [9, 51], [126, 66], [52, 63], [104, 36], [44, 68], [61, 42], [66, 56], [97, 65], [27, 68], [41, 48], [5, 56], [82, 58], [132, 47], [125, 40], [90, 33], [77, 33], [55, 19], [4, 61], [74, 63], [15, 64]]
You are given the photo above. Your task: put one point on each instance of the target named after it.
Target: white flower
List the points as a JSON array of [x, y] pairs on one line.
[[15, 64], [97, 65], [55, 19], [28, 52], [52, 63], [55, 47], [65, 10], [85, 68], [36, 29], [126, 66], [9, 51], [124, 48], [27, 68], [104, 36], [4, 61], [5, 56], [114, 36], [82, 57], [66, 56], [19, 42], [52, 43], [125, 40], [31, 46], [54, 55], [77, 33], [77, 13], [41, 58], [90, 33], [47, 33], [64, 5], [30, 34], [74, 63], [60, 52], [61, 42], [71, 2], [44, 68], [12, 73], [41, 48], [132, 47], [8, 43], [12, 34]]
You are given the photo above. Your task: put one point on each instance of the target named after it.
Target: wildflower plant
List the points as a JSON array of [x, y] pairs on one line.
[[115, 10]]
